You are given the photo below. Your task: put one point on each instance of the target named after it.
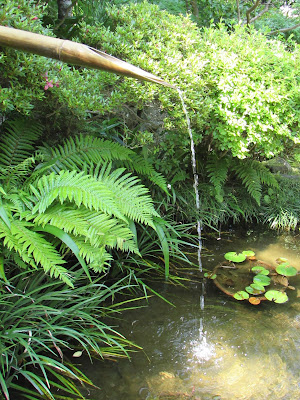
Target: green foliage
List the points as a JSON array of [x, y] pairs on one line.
[[253, 175], [241, 91], [235, 257], [281, 208], [89, 208], [44, 322], [276, 296]]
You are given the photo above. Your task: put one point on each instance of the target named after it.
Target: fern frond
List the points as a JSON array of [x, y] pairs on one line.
[[217, 172], [17, 145], [132, 198], [253, 174], [97, 228], [250, 178], [71, 220], [265, 175], [97, 257], [34, 249], [83, 149], [74, 187], [142, 167]]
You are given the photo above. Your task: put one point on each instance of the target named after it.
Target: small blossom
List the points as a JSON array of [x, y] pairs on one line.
[[34, 18]]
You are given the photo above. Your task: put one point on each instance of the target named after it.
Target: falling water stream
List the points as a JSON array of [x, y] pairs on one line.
[[202, 345], [195, 174]]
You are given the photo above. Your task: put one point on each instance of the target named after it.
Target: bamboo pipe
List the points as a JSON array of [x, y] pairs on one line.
[[72, 53]]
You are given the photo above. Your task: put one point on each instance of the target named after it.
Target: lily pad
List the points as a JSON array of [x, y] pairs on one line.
[[262, 280], [241, 295], [248, 253], [254, 300], [281, 260], [260, 270], [253, 291], [210, 275], [286, 270], [258, 287], [276, 296], [234, 257]]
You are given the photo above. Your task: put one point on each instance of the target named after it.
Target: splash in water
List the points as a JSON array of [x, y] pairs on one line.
[[196, 177]]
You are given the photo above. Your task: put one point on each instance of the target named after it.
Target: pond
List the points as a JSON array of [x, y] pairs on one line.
[[210, 346]]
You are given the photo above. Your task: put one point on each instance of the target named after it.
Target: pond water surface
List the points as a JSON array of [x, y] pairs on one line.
[[212, 346]]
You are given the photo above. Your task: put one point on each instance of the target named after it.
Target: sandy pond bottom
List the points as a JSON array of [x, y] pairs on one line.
[[226, 350]]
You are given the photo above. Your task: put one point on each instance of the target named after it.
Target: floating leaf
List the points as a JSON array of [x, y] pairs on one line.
[[281, 260], [241, 295], [258, 287], [248, 253], [262, 280], [210, 275], [234, 257], [276, 296], [249, 289], [286, 270], [253, 291], [254, 300], [260, 270]]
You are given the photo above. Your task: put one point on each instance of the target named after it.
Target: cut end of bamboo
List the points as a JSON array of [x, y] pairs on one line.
[[73, 53]]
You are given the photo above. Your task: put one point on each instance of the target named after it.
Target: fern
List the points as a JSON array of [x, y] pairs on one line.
[[217, 172], [83, 149], [76, 152], [48, 212], [141, 166], [34, 249], [73, 187], [18, 145], [132, 198], [253, 174]]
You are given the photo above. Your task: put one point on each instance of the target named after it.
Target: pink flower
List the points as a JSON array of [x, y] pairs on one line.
[[48, 85], [34, 18]]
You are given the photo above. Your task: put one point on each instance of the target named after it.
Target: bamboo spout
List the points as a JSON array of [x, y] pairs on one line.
[[72, 53]]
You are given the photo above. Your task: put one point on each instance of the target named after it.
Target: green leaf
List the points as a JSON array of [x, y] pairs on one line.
[[253, 291], [234, 257], [286, 270], [262, 280], [210, 275], [258, 287], [260, 270], [276, 296], [64, 237], [241, 295], [158, 223], [248, 253], [4, 216]]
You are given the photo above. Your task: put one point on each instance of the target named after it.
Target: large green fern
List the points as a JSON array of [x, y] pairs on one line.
[[75, 152], [217, 172], [72, 200], [252, 174]]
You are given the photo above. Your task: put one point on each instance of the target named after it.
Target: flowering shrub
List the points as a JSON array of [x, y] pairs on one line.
[[241, 89]]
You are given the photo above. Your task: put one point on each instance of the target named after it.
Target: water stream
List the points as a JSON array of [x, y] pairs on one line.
[[195, 174], [225, 350]]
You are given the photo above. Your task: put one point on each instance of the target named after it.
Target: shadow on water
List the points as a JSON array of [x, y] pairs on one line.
[[223, 349]]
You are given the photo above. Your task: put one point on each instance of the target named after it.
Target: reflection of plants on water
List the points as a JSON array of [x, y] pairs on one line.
[[241, 284]]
